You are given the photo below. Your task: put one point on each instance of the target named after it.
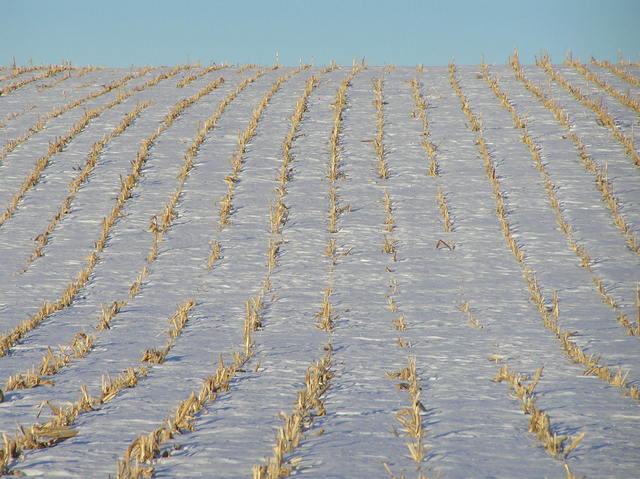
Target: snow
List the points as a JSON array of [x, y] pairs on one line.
[[474, 427]]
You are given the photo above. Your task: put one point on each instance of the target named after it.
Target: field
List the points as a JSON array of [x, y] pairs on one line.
[[326, 272]]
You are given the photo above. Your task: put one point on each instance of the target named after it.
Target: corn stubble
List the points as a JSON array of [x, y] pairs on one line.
[[92, 160], [378, 143], [51, 363], [127, 185], [114, 86], [574, 352], [194, 76], [339, 105], [49, 72], [308, 405], [421, 112], [177, 322], [602, 181], [56, 146], [17, 70], [326, 317], [604, 117], [551, 188], [617, 70], [58, 428], [129, 378], [539, 423], [214, 255], [244, 137], [55, 82], [444, 211], [137, 460], [465, 307], [15, 115], [334, 174], [147, 447], [627, 100], [410, 418]]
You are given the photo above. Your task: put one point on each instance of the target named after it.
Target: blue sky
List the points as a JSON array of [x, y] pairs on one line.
[[402, 32]]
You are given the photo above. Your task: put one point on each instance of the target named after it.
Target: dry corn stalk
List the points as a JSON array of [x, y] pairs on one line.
[[340, 103], [638, 309], [604, 116], [50, 71], [421, 112], [273, 253], [388, 208], [627, 100], [326, 316], [444, 211], [214, 256], [466, 308], [602, 182], [378, 141], [58, 429], [308, 406], [55, 82], [190, 78], [108, 313], [335, 210], [177, 322], [550, 187], [539, 423], [617, 70], [51, 363], [127, 185], [75, 185], [389, 247], [148, 446], [254, 307], [575, 353], [410, 418], [244, 137], [41, 123]]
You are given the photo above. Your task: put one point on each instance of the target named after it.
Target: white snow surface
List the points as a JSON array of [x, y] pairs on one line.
[[474, 426]]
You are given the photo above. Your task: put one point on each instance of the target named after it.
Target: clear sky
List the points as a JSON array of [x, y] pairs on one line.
[[401, 32]]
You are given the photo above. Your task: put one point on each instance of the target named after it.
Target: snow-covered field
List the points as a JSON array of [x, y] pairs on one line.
[[436, 240]]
